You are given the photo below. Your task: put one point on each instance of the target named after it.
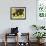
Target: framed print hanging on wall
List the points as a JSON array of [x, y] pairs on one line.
[[18, 13], [41, 8], [41, 12]]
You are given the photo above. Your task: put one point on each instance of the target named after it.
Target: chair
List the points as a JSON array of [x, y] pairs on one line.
[[26, 37], [14, 32]]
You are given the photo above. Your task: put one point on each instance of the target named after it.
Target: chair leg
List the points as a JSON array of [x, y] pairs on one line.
[[5, 43], [5, 40], [17, 39]]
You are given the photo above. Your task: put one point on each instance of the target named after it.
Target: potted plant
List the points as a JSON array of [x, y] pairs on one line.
[[39, 36]]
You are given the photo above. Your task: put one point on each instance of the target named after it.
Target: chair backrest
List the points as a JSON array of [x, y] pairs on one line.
[[14, 30]]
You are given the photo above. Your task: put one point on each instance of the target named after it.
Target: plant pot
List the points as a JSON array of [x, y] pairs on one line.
[[40, 41]]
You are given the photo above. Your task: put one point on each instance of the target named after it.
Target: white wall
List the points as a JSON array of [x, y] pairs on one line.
[[24, 25]]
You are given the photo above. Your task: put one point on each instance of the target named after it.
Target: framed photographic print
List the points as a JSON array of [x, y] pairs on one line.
[[17, 13], [41, 8], [41, 12]]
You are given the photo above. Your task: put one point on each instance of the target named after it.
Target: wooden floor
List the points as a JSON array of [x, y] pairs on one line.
[[13, 44]]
